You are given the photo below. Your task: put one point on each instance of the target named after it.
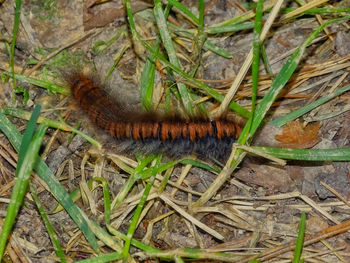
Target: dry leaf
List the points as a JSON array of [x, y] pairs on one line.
[[99, 13], [274, 179], [294, 135]]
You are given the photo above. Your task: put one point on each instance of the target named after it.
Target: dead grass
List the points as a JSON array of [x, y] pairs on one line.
[[254, 210]]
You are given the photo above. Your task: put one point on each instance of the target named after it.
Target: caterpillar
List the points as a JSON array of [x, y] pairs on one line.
[[150, 133]]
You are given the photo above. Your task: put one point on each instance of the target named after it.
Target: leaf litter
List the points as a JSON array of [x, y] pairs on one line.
[[254, 212]]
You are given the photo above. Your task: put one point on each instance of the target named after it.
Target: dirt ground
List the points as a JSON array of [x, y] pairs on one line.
[[256, 209]]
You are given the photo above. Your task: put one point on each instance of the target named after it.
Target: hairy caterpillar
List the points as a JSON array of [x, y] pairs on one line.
[[150, 133]]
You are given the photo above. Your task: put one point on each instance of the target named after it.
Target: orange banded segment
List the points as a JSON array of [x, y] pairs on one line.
[[192, 130], [219, 129], [127, 130], [175, 130], [155, 130], [136, 130], [164, 131], [111, 127], [146, 130], [203, 129]]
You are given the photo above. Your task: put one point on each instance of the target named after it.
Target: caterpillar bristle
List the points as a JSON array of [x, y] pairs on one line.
[[150, 133]]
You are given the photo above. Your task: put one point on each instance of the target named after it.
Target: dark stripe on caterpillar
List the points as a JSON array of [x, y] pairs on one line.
[[201, 136], [215, 130]]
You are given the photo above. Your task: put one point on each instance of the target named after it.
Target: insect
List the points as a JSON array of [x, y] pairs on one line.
[[151, 133]]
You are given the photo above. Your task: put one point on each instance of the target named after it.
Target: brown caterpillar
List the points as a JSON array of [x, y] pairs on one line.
[[149, 133]]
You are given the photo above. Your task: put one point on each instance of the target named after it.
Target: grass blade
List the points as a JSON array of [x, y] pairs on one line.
[[115, 256], [148, 73], [283, 77], [296, 114], [230, 28], [23, 173], [261, 110], [255, 61], [50, 86], [14, 37], [50, 230], [184, 10], [216, 95], [56, 188], [28, 135], [139, 208], [147, 79], [340, 154], [300, 240], [25, 115], [169, 47]]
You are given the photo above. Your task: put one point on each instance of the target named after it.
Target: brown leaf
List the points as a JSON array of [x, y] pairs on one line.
[[274, 179], [102, 18], [98, 13], [294, 135]]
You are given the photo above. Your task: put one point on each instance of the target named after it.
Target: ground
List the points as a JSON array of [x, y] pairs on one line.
[[255, 211]]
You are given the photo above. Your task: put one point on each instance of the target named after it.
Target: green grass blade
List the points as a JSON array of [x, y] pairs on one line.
[[106, 196], [283, 77], [25, 94], [263, 107], [198, 254], [217, 50], [50, 86], [56, 188], [116, 61], [50, 230], [23, 173], [165, 180], [147, 79], [139, 208], [207, 44], [340, 154], [256, 52], [255, 62], [148, 73], [136, 174], [64, 199], [178, 259], [28, 134], [110, 241], [201, 16], [111, 257], [25, 115], [300, 240], [296, 114], [14, 37], [229, 28], [199, 39], [170, 49], [265, 58], [200, 164], [100, 46], [154, 252], [245, 16], [216, 95], [314, 11], [184, 10]]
